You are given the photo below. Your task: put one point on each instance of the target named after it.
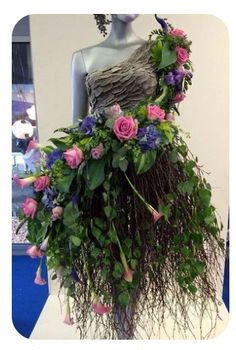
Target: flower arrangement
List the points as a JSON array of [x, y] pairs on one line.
[[76, 214]]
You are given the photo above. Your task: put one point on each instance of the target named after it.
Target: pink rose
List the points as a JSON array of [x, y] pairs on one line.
[[96, 152], [182, 55], [177, 32], [116, 110], [41, 183], [56, 213], [73, 157], [34, 252], [180, 96], [68, 320], [155, 113], [30, 207], [125, 128]]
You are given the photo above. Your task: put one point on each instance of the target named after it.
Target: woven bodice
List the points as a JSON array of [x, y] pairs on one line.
[[125, 83]]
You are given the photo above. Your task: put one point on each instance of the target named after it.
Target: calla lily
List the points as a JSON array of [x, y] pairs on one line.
[[162, 23], [22, 183], [156, 215], [128, 275], [44, 244], [38, 279], [33, 144], [68, 319], [101, 309], [34, 252]]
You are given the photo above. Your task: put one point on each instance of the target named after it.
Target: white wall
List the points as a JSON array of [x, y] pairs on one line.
[[204, 113]]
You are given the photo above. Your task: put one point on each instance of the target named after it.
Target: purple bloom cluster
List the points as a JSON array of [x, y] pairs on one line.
[[53, 156], [74, 275], [88, 124], [175, 78], [149, 137], [49, 195]]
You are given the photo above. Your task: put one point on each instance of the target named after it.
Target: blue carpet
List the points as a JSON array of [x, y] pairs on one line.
[[28, 298]]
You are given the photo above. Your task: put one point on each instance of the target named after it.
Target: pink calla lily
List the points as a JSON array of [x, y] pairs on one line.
[[38, 278], [156, 215], [34, 252], [22, 183], [33, 144], [128, 275], [68, 320], [101, 309]]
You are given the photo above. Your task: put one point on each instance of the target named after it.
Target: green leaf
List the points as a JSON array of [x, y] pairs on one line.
[[144, 161], [165, 210], [118, 270], [94, 173], [124, 298], [70, 215], [99, 222], [95, 252], [96, 232], [123, 164], [62, 143], [110, 212], [186, 187], [199, 266], [113, 235], [173, 156], [168, 56], [75, 240], [157, 50], [186, 252], [110, 122], [63, 184], [133, 263], [47, 149], [192, 289], [204, 196]]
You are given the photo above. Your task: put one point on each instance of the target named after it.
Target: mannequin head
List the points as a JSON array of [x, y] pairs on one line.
[[102, 20], [127, 18]]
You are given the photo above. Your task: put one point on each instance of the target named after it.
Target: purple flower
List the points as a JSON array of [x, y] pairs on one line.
[[74, 199], [148, 137], [162, 23], [74, 275], [87, 125], [53, 156], [169, 79], [49, 195]]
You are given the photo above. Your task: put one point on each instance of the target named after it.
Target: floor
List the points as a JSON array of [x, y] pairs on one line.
[[28, 299]]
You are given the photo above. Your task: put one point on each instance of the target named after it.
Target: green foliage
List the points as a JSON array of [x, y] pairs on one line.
[[62, 143], [94, 173], [168, 56], [144, 161], [124, 298]]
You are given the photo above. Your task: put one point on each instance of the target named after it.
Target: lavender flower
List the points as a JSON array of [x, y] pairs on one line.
[[53, 156], [49, 195], [148, 137], [87, 125]]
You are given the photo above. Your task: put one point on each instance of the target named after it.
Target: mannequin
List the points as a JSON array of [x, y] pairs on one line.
[[119, 45]]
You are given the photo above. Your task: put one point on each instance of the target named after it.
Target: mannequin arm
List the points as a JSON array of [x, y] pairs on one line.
[[79, 92]]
